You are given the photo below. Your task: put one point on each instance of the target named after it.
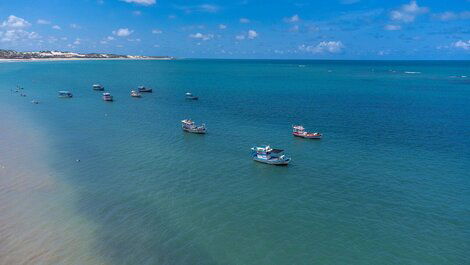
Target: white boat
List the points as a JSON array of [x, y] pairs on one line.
[[266, 154], [299, 131], [190, 96], [135, 94], [65, 94], [98, 87], [107, 96], [144, 89], [189, 126]]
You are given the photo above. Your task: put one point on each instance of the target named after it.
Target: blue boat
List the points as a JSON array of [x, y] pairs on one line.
[[65, 94], [266, 154]]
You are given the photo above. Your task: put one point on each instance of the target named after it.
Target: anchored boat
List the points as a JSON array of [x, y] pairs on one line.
[[135, 94], [98, 87], [190, 96], [107, 96], [65, 94], [266, 154], [299, 131], [189, 126], [144, 89]]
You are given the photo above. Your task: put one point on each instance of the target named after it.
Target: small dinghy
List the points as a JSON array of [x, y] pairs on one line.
[[135, 94], [299, 131], [98, 87], [65, 94], [144, 89], [266, 154], [190, 96], [107, 96], [189, 126]]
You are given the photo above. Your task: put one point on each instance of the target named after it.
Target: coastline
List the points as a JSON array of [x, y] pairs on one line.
[[82, 59], [38, 224]]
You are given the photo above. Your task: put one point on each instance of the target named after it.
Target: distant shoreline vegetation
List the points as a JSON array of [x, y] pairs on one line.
[[14, 55]]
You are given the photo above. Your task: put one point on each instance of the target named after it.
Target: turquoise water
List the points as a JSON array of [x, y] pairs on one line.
[[388, 184]]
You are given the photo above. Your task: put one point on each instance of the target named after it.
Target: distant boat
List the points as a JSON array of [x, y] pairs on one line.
[[266, 154], [35, 101], [189, 126], [135, 94], [144, 89], [98, 87], [190, 96], [299, 131], [65, 94], [107, 96]]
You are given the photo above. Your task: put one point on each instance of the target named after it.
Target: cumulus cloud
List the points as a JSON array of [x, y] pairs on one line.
[[322, 47], [293, 19], [252, 34], [43, 22], [15, 22], [462, 44], [407, 13], [222, 26], [57, 27], [244, 20], [157, 31], [141, 2], [123, 32], [201, 36], [392, 27]]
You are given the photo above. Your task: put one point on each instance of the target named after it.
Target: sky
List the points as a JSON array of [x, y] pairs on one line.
[[264, 29]]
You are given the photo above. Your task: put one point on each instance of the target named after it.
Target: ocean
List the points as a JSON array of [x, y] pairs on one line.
[[90, 182]]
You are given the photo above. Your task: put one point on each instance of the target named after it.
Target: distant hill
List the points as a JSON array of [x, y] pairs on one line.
[[10, 54]]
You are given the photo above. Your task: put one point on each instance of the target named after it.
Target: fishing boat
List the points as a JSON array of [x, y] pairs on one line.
[[135, 94], [299, 131], [190, 96], [266, 154], [65, 94], [107, 96], [189, 126], [144, 89], [98, 87]]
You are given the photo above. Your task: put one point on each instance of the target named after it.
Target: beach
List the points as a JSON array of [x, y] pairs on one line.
[[83, 181]]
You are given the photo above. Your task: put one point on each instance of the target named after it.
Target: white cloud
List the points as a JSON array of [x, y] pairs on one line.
[[141, 2], [15, 22], [75, 26], [43, 22], [77, 41], [123, 32], [294, 28], [110, 38], [244, 20], [57, 27], [446, 16], [293, 19], [13, 35], [209, 8], [461, 44], [157, 31], [252, 34], [136, 13], [408, 12], [222, 26], [201, 36], [392, 27], [324, 46]]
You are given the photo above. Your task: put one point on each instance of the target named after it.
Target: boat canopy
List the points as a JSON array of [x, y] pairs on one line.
[[298, 127], [64, 92], [106, 94]]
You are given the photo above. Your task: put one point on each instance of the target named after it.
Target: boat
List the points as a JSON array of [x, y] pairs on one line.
[[299, 131], [189, 126], [98, 87], [190, 96], [34, 101], [107, 96], [65, 94], [135, 94], [144, 89], [266, 154]]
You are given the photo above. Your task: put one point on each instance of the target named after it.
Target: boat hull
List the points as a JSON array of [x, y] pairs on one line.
[[276, 162], [194, 131], [145, 90], [308, 136]]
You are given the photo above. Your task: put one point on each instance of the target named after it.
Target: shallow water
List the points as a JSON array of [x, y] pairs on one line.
[[388, 184]]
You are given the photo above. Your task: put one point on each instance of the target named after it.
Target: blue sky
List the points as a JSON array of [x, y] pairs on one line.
[[309, 29]]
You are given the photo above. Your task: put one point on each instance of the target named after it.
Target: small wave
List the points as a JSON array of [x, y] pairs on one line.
[[412, 73]]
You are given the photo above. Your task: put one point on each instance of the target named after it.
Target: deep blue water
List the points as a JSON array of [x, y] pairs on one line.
[[388, 184]]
